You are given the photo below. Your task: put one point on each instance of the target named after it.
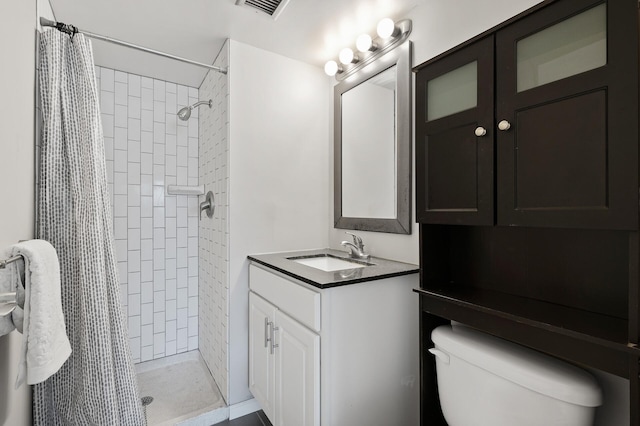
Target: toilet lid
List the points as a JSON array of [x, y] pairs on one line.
[[528, 368]]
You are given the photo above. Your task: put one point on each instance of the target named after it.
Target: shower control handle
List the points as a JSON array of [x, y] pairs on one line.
[[208, 205]]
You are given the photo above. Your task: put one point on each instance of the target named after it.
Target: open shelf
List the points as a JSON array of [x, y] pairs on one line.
[[586, 337]]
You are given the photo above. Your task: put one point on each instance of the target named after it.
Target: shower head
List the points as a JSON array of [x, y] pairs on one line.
[[185, 112]]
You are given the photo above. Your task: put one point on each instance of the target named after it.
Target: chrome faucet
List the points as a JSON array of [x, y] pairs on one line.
[[356, 249]]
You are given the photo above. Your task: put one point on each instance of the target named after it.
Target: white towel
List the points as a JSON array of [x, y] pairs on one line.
[[45, 346], [11, 282]]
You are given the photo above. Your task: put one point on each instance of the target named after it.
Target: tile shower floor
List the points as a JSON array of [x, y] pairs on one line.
[[183, 391]]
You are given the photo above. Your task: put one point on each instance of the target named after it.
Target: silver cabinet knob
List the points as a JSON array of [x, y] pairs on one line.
[[504, 125], [480, 131]]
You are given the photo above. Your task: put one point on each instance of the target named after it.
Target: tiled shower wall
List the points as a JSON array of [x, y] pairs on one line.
[[156, 234], [214, 232]]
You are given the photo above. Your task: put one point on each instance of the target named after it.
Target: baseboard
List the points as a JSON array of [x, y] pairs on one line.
[[243, 408]]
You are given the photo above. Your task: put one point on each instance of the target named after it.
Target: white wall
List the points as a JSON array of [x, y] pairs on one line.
[[17, 142], [214, 232], [279, 133]]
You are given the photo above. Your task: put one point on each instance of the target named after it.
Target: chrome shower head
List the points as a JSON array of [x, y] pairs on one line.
[[185, 112]]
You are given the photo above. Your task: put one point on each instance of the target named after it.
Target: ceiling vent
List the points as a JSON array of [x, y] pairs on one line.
[[272, 8]]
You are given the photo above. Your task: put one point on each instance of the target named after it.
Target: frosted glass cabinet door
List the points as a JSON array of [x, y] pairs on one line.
[[571, 101], [454, 137]]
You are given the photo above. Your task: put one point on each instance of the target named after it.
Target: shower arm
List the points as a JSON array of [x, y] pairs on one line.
[[197, 104]]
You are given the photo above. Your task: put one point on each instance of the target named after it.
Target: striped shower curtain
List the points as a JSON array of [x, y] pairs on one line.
[[97, 384]]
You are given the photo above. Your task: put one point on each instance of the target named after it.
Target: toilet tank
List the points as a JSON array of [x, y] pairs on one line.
[[484, 380]]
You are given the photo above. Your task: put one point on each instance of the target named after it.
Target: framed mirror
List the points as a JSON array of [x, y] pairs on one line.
[[372, 146]]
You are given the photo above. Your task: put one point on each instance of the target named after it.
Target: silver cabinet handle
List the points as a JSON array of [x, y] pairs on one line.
[[266, 331], [273, 340], [480, 131], [504, 125]]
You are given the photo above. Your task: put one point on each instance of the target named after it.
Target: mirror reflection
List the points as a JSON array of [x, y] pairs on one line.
[[369, 148]]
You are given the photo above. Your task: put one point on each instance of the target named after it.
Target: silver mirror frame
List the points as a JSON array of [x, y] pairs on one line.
[[401, 224]]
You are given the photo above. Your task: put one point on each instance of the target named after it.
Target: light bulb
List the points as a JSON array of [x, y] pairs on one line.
[[386, 28], [346, 56], [364, 42], [331, 68]]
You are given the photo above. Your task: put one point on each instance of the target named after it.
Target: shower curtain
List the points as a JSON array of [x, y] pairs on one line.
[[97, 384]]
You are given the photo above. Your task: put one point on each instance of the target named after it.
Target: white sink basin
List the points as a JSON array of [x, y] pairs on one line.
[[328, 263]]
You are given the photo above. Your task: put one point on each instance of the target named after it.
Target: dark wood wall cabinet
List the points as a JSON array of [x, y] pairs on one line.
[[527, 188]]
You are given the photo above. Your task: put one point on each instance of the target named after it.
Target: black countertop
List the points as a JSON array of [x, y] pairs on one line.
[[379, 268]]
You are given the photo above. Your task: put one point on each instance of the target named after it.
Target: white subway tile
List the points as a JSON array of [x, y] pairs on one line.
[[120, 228], [170, 144], [146, 163], [134, 151], [146, 121], [134, 282], [171, 329], [120, 138], [107, 125], [183, 278], [133, 193], [146, 333], [158, 112], [146, 99], [133, 260], [159, 90], [193, 93], [158, 344], [181, 258], [182, 341], [158, 301], [146, 227], [193, 343], [182, 136], [193, 325], [134, 304], [158, 153], [182, 177], [147, 353], [146, 249], [122, 267], [133, 214], [134, 344], [107, 102], [159, 321], [170, 208], [158, 174], [183, 96], [170, 122], [120, 206], [147, 83], [121, 252], [158, 238], [146, 268], [158, 217], [182, 319], [133, 131], [182, 237], [134, 85], [134, 239], [158, 133], [146, 140], [171, 292], [193, 263], [133, 107], [158, 280], [158, 259], [120, 77], [146, 297], [193, 286], [121, 95], [133, 173], [146, 206], [170, 248], [119, 161], [120, 116], [171, 87], [170, 348], [170, 268], [107, 78], [170, 310], [134, 326]]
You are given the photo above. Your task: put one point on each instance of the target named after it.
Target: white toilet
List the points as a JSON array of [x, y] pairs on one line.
[[483, 380]]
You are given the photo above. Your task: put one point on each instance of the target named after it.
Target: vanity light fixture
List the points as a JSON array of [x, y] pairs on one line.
[[332, 68], [364, 43], [390, 35], [347, 56]]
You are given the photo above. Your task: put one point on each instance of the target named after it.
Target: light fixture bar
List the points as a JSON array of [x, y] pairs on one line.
[[384, 46]]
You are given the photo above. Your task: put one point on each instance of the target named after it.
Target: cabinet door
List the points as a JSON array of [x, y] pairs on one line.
[[297, 357], [454, 166], [567, 85], [261, 361]]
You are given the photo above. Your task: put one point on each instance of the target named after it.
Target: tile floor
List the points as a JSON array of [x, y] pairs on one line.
[[254, 419]]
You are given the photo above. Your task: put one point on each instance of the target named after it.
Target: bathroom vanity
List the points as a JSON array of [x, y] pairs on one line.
[[527, 188], [332, 340]]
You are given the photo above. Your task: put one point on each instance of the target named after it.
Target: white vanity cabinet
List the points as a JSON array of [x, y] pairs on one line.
[[340, 356]]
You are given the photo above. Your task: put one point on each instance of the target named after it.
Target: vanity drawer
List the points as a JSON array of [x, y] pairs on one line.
[[294, 299]]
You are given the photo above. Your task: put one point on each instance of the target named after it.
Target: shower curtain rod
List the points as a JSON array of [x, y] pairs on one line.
[[69, 29]]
